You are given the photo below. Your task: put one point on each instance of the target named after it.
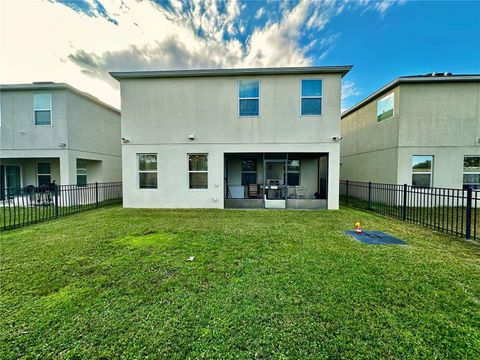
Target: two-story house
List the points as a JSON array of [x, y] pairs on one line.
[[54, 132], [417, 130], [231, 138]]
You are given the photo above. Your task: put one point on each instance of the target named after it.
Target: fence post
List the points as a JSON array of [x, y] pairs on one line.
[[369, 195], [346, 192], [404, 210], [96, 194], [55, 189], [468, 231]]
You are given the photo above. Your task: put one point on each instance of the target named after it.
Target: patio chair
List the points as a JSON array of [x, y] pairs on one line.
[[301, 192], [253, 192]]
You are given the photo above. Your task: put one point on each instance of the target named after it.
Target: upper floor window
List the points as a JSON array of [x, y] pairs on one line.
[[311, 97], [385, 107], [198, 171], [248, 97], [42, 109], [147, 171], [422, 166], [471, 172]]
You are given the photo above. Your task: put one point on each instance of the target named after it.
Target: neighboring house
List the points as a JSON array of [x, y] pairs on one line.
[[54, 132], [253, 138], [417, 130]]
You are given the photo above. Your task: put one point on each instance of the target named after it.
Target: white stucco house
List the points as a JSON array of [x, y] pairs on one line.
[[419, 130], [231, 138], [54, 132]]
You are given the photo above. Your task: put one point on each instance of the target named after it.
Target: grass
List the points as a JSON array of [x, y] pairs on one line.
[[116, 283]]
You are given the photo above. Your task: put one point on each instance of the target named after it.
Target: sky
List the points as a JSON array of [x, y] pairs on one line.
[[80, 41]]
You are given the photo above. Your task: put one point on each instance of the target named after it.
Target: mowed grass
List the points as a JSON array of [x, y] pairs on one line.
[[116, 283]]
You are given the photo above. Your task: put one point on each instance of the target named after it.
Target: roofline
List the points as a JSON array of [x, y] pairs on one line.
[[56, 86], [343, 70], [410, 80]]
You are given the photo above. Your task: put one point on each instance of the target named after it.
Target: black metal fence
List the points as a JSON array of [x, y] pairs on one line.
[[453, 211], [30, 205]]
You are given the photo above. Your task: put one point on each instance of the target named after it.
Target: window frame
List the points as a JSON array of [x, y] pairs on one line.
[[422, 172], [146, 171], [196, 171], [392, 94], [248, 171], [248, 98], [82, 168], [44, 174], [474, 186], [299, 171], [50, 109], [311, 97]]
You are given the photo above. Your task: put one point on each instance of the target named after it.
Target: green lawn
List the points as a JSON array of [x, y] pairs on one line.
[[115, 282]]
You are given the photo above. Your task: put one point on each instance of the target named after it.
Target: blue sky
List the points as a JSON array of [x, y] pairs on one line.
[[79, 41]]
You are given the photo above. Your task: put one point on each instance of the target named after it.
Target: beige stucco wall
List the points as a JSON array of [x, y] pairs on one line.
[[158, 115], [89, 130]]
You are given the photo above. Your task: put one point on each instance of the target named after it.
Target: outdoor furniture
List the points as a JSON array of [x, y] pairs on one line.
[[252, 191]]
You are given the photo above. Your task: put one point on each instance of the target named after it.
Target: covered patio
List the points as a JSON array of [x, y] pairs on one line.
[[276, 180]]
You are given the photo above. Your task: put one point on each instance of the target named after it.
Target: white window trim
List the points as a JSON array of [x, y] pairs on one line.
[[196, 171], [51, 111], [38, 174], [82, 168], [248, 98], [423, 172], [392, 94], [146, 171], [311, 97]]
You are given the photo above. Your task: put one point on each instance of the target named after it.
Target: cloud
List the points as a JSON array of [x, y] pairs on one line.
[[79, 41], [349, 89]]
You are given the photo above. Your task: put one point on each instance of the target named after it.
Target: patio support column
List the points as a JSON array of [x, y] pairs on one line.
[[333, 178], [68, 169]]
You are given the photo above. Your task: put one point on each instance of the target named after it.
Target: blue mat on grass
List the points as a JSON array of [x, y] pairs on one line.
[[376, 238]]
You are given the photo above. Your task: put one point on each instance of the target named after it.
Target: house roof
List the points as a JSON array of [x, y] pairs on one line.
[[413, 79], [50, 85], [232, 72]]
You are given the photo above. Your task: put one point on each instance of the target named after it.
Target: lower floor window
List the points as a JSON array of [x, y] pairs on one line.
[[44, 176], [81, 173], [198, 171], [293, 177], [422, 166], [471, 172], [147, 171]]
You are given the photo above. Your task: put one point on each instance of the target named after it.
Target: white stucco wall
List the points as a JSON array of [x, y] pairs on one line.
[[158, 115]]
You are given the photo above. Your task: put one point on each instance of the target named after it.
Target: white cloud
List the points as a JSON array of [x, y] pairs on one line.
[[53, 42]]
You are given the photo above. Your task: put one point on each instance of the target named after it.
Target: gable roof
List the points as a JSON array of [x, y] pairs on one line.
[[413, 79], [50, 85], [232, 72]]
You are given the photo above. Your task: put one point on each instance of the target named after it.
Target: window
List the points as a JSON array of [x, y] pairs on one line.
[[422, 170], [42, 109], [293, 173], [248, 97], [471, 172], [43, 173], [81, 173], [385, 107], [249, 171], [198, 171], [147, 171], [311, 97]]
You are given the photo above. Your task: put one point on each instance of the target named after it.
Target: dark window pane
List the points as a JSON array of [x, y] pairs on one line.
[[147, 162], [198, 180], [81, 180], [43, 117], [471, 164], [249, 178], [148, 180], [249, 107], [43, 168], [421, 180], [198, 162], [311, 106], [293, 179], [311, 87], [248, 88], [249, 164], [44, 180], [471, 178]]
